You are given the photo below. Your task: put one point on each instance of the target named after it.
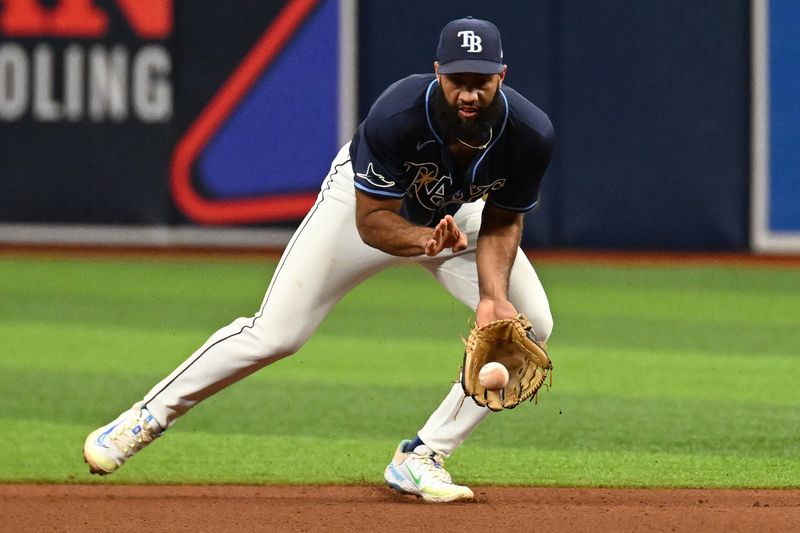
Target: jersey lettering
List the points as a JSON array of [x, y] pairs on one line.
[[426, 186], [432, 191]]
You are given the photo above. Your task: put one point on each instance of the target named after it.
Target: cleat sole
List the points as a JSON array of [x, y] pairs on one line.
[[93, 468]]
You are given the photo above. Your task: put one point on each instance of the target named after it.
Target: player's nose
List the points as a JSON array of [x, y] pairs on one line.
[[468, 96]]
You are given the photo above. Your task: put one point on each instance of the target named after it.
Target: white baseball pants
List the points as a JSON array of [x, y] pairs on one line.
[[322, 262]]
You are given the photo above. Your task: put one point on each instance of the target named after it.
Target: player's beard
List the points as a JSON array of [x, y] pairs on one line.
[[453, 126]]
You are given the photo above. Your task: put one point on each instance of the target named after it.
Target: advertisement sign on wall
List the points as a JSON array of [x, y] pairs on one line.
[[776, 126], [86, 103], [162, 113]]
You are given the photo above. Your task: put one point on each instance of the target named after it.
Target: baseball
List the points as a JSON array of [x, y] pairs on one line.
[[493, 376]]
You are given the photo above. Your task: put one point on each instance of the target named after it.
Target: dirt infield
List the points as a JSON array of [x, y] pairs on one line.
[[374, 508]]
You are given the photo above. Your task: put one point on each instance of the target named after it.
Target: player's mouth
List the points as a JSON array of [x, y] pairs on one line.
[[468, 112]]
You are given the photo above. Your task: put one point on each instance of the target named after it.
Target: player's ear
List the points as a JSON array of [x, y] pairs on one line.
[[436, 71], [503, 74]]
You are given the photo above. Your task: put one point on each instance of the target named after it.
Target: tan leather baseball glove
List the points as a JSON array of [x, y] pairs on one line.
[[511, 343]]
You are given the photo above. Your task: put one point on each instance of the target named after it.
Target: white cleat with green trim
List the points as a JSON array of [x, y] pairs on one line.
[[421, 472]]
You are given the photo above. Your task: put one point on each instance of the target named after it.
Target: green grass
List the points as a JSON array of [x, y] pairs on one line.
[[664, 376]]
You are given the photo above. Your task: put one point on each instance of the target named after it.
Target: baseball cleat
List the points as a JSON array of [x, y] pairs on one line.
[[108, 447], [421, 472]]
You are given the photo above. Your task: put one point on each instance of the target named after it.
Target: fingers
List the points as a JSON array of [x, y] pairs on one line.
[[440, 231], [455, 239], [461, 241], [432, 248], [436, 243], [458, 238], [446, 235]]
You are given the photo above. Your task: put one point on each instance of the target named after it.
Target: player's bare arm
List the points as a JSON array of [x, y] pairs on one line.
[[381, 226], [498, 240]]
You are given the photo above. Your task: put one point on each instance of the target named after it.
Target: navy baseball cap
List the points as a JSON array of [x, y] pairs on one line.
[[470, 45]]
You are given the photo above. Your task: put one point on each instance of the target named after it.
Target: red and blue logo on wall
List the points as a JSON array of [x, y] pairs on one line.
[[259, 149]]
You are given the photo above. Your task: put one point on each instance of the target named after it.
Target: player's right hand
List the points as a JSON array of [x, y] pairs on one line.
[[446, 235]]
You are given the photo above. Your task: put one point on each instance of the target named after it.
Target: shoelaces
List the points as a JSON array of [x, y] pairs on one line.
[[127, 441], [434, 464]]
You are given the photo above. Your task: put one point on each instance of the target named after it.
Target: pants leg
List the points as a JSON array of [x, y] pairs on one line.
[[323, 261], [457, 417]]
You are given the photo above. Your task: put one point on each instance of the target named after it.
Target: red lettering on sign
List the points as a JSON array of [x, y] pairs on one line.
[[69, 18], [150, 19], [81, 18]]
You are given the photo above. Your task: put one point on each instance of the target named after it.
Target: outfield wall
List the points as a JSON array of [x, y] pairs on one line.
[[131, 123]]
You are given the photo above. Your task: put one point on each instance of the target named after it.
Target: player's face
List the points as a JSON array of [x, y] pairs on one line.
[[469, 93]]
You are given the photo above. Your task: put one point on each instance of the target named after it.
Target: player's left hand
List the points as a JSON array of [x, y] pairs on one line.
[[489, 310], [509, 342], [446, 235]]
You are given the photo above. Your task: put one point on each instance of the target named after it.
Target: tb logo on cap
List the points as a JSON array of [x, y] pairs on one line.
[[470, 41]]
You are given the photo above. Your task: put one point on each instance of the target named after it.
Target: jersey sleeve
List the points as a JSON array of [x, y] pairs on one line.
[[531, 160], [378, 170]]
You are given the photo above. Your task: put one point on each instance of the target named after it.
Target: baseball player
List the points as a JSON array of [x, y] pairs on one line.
[[439, 173]]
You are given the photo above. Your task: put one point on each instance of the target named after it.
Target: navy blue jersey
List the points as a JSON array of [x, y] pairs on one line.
[[398, 152]]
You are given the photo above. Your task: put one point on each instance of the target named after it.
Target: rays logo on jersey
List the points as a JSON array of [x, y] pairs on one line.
[[427, 186], [433, 191]]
